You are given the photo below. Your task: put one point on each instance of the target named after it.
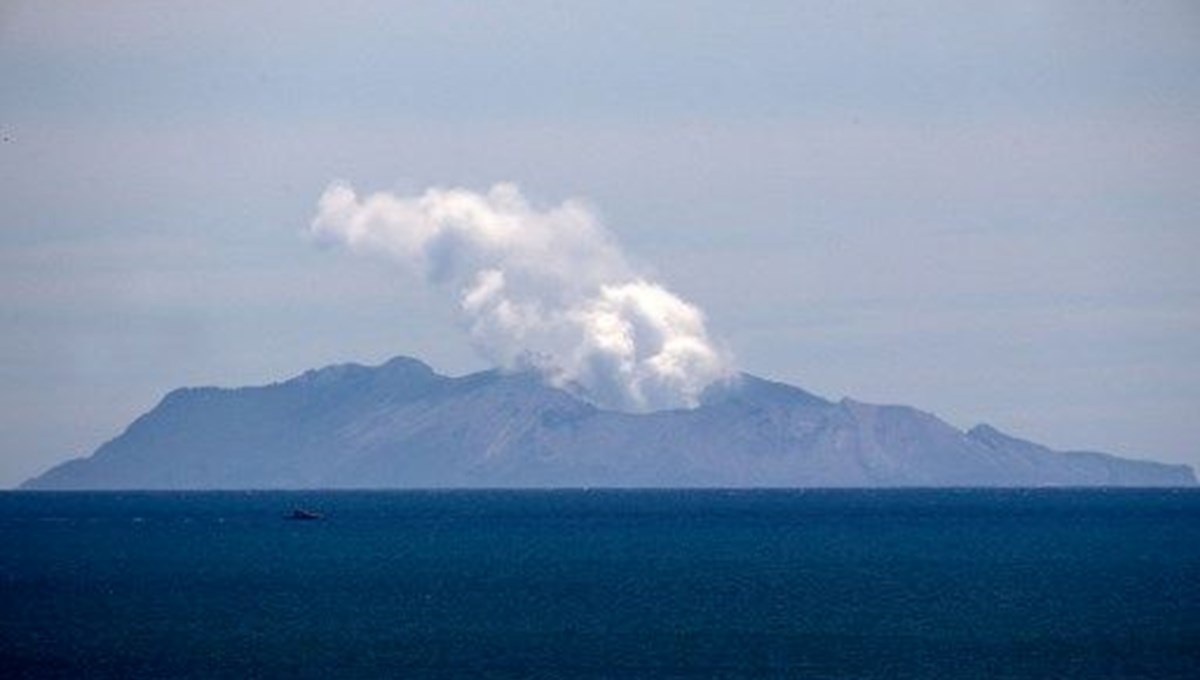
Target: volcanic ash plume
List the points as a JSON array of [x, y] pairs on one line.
[[548, 290]]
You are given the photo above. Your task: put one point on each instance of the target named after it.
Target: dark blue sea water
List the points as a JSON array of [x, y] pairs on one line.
[[614, 584]]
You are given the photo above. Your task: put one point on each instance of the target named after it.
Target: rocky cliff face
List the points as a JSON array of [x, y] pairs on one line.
[[401, 425]]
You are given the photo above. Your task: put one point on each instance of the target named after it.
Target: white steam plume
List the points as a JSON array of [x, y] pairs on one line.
[[543, 289]]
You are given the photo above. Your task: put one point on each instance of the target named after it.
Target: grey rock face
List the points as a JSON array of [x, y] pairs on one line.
[[401, 425]]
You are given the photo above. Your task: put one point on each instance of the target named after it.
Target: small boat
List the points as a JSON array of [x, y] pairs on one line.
[[302, 514]]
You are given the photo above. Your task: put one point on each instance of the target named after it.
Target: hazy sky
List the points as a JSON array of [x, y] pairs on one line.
[[987, 210]]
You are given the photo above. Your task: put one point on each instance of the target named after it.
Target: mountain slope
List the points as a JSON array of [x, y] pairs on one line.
[[401, 425]]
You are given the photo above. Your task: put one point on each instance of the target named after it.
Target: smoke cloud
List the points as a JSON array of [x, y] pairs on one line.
[[548, 290]]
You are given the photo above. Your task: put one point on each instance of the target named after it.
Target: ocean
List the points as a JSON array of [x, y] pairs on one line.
[[602, 584]]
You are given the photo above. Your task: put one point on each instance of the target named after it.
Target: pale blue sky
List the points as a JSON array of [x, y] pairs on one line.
[[988, 210]]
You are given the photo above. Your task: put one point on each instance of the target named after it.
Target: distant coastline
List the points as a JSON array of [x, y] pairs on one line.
[[402, 425]]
